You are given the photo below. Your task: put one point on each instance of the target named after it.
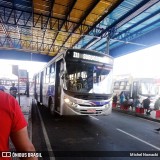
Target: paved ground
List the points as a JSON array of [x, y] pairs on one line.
[[132, 112], [81, 137], [25, 103]]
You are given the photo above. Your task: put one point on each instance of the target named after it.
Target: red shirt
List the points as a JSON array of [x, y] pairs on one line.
[[11, 119]]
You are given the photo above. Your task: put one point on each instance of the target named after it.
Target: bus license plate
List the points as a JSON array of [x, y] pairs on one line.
[[91, 110]]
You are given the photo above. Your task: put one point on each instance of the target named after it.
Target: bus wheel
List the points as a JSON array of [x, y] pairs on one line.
[[38, 103], [51, 107]]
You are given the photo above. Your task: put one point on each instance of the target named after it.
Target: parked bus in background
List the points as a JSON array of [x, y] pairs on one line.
[[133, 87], [77, 82], [158, 85], [6, 83]]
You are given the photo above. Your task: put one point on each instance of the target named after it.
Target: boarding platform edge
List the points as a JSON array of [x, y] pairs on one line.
[[136, 114]]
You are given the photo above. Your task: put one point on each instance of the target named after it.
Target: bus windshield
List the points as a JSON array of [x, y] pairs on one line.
[[148, 89], [88, 78]]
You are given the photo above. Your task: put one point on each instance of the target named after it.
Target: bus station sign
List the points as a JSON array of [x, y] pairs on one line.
[[15, 70], [23, 75]]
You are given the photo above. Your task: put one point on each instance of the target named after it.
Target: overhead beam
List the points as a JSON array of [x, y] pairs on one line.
[[124, 19], [82, 19], [67, 15], [129, 39], [126, 36], [47, 21], [150, 39], [99, 20], [29, 22], [25, 45], [23, 56]]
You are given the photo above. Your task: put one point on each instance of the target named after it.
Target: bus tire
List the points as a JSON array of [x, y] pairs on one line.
[[51, 107], [38, 103]]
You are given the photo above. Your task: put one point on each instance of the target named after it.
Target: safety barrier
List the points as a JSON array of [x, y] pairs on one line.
[[139, 110], [114, 105], [124, 107], [155, 114]]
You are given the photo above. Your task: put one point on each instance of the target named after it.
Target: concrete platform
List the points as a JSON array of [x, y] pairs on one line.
[[25, 103]]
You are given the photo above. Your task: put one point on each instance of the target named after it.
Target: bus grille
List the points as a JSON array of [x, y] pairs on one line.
[[89, 97], [87, 105], [86, 112]]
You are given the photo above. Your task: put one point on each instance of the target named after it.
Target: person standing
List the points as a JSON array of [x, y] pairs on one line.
[[13, 90], [136, 102], [157, 104], [157, 107], [14, 126], [146, 103], [122, 97], [122, 100], [115, 99]]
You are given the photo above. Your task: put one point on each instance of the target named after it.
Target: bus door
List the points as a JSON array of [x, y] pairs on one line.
[[41, 86], [35, 88], [135, 89], [59, 68]]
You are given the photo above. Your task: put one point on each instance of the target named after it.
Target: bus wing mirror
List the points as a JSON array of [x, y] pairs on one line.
[[62, 75]]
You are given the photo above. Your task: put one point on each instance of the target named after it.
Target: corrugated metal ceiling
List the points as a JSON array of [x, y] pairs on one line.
[[51, 26]]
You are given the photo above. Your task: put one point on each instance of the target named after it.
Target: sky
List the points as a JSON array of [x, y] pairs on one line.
[[31, 67], [143, 63]]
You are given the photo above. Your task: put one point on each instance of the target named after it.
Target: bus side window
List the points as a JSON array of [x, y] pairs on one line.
[[47, 74], [52, 73], [135, 89]]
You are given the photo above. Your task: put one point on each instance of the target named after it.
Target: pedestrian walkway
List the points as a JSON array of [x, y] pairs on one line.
[[25, 104], [134, 113]]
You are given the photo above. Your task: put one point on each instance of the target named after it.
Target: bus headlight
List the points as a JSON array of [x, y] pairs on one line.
[[67, 100], [108, 105]]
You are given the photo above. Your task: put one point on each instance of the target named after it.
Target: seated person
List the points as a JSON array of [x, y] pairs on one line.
[[80, 80], [79, 83]]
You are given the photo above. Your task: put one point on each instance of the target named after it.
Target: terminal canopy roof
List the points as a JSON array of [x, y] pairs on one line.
[[49, 27]]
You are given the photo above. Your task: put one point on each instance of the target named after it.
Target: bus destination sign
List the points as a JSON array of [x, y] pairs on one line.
[[105, 59]]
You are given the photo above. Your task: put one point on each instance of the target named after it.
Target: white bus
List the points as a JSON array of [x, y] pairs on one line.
[[141, 87], [77, 82]]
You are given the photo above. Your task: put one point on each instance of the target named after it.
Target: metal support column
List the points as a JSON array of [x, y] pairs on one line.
[[27, 85], [107, 45]]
